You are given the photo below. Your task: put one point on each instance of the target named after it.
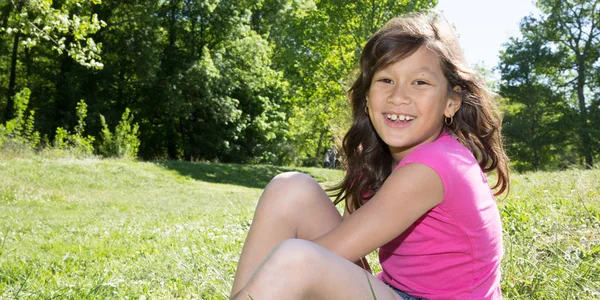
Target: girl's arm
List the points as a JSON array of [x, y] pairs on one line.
[[407, 194], [362, 262]]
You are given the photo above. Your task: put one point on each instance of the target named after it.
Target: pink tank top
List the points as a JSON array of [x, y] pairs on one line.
[[454, 250]]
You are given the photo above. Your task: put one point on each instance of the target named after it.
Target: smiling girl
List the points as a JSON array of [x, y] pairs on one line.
[[425, 132]]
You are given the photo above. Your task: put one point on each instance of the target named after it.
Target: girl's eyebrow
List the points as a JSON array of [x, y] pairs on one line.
[[427, 71]]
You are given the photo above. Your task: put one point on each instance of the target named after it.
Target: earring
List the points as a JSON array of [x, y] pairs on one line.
[[448, 123]]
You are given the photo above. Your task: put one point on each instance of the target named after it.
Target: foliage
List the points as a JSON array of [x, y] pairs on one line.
[[19, 132], [49, 27], [76, 142], [239, 81], [265, 81], [83, 229], [125, 142], [40, 21], [536, 118], [549, 81]]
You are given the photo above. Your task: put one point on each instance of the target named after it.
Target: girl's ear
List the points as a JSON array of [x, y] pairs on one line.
[[454, 102]]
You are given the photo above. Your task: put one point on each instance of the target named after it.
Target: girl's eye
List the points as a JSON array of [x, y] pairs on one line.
[[386, 80], [420, 82]]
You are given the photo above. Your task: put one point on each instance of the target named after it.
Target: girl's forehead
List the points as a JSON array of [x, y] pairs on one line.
[[422, 60]]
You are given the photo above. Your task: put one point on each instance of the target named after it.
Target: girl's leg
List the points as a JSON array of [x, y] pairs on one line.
[[300, 269], [293, 205]]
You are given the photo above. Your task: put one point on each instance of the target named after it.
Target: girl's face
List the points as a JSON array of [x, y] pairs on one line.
[[408, 100]]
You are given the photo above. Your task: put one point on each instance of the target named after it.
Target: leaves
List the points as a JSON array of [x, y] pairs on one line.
[[41, 21], [546, 80]]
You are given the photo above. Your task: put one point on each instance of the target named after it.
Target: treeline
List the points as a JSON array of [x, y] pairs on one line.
[[235, 81], [265, 80]]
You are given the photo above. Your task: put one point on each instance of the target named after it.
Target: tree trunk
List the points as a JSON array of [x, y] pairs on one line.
[[121, 86], [64, 103], [10, 93], [28, 64], [584, 131], [6, 13], [319, 147], [170, 70]]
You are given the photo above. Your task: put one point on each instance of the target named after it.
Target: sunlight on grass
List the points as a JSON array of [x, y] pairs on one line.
[[117, 229]]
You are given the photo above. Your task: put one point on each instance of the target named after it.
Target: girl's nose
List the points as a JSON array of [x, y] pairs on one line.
[[399, 96]]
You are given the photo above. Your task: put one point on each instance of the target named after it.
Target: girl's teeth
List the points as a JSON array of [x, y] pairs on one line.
[[401, 118]]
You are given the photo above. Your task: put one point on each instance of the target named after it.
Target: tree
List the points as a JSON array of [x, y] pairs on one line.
[[216, 94], [536, 117], [548, 78], [573, 27], [64, 26]]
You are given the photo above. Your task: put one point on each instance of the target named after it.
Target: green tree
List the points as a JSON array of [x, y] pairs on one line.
[[63, 27], [536, 116], [573, 27], [216, 94]]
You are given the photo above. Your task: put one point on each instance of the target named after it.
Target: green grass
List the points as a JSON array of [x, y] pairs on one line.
[[90, 228]]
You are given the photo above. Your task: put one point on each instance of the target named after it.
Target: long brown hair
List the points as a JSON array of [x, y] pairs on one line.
[[477, 123]]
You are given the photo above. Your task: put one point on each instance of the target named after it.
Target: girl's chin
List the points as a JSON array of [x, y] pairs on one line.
[[396, 143]]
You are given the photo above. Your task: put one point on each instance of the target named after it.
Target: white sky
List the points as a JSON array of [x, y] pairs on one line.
[[484, 25]]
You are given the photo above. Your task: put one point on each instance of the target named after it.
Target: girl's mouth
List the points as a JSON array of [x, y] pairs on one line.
[[399, 118]]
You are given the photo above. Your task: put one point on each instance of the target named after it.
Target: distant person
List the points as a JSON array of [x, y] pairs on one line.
[[327, 159], [333, 158], [425, 132]]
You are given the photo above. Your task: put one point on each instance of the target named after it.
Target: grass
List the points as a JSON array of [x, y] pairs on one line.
[[90, 228]]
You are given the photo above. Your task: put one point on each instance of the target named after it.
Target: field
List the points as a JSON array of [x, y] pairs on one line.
[[91, 228]]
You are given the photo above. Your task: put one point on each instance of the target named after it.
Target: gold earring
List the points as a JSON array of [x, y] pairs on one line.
[[448, 123]]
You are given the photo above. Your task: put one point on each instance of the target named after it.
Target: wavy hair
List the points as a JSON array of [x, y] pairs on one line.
[[477, 123]]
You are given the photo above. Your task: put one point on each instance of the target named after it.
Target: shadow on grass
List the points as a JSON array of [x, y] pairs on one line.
[[253, 176]]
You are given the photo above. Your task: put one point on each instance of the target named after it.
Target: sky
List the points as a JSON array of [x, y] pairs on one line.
[[484, 25]]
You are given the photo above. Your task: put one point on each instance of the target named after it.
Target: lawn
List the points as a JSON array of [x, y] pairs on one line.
[[92, 228]]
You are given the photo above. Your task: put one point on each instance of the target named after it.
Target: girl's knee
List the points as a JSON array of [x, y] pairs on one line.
[[298, 256], [293, 180], [294, 187], [293, 264]]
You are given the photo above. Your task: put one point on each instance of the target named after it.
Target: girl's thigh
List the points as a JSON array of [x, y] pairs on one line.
[[345, 280], [300, 269]]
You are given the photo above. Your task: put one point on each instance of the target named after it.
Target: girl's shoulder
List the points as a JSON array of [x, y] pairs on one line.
[[446, 156], [445, 148]]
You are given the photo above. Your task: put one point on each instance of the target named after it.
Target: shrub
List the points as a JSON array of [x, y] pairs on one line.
[[75, 142], [19, 132], [125, 142]]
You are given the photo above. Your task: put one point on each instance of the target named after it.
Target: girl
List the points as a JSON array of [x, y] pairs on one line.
[[425, 133]]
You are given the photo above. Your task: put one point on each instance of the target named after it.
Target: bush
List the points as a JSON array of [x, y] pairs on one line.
[[76, 142], [125, 142], [18, 132]]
